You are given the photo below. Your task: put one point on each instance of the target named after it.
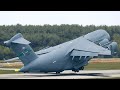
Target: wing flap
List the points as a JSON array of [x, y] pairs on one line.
[[83, 53]]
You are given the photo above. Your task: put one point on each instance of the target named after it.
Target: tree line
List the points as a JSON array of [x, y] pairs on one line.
[[50, 35]]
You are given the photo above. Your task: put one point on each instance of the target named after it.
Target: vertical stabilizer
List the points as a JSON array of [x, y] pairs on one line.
[[22, 49]]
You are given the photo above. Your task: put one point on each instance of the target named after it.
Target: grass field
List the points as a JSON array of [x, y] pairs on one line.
[[103, 66], [8, 72], [11, 65]]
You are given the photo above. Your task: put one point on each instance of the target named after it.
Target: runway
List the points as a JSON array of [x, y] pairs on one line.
[[85, 74]]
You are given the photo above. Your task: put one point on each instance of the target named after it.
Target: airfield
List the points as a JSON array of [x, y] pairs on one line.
[[85, 74], [96, 69]]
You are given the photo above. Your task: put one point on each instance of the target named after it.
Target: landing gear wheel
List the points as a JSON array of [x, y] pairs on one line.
[[82, 68], [26, 72], [45, 72], [57, 72], [75, 70]]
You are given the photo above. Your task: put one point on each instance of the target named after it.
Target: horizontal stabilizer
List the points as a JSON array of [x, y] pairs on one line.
[[21, 41], [18, 38]]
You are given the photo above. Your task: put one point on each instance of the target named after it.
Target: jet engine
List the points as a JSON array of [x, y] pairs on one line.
[[104, 42], [113, 47]]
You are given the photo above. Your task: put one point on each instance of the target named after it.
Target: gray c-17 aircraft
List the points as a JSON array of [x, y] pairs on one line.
[[72, 55]]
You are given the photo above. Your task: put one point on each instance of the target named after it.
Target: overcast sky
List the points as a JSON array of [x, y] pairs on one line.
[[60, 17]]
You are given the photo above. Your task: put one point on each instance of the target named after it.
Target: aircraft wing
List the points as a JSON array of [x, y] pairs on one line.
[[84, 47]]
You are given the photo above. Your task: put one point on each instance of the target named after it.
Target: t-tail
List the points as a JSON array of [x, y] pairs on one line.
[[22, 49]]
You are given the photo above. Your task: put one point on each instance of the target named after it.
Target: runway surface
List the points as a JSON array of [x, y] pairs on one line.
[[85, 74]]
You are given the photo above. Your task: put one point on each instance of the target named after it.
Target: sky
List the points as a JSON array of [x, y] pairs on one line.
[[60, 17]]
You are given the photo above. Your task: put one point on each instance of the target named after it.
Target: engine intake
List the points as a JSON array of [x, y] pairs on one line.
[[104, 42], [113, 47]]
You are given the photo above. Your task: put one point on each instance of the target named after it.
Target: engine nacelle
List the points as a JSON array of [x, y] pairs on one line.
[[113, 47], [104, 42]]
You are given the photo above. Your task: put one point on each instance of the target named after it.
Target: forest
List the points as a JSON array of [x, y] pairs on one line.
[[42, 36]]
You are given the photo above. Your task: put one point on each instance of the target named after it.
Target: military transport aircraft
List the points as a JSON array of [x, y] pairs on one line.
[[72, 55]]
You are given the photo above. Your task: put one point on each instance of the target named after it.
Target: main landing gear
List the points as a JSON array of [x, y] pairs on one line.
[[77, 70], [57, 72], [81, 68], [25, 72]]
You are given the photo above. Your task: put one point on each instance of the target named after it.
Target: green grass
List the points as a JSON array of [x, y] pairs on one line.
[[17, 66], [8, 72], [103, 66], [1, 61]]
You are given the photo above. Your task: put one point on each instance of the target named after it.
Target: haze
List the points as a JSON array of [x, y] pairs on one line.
[[60, 17]]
